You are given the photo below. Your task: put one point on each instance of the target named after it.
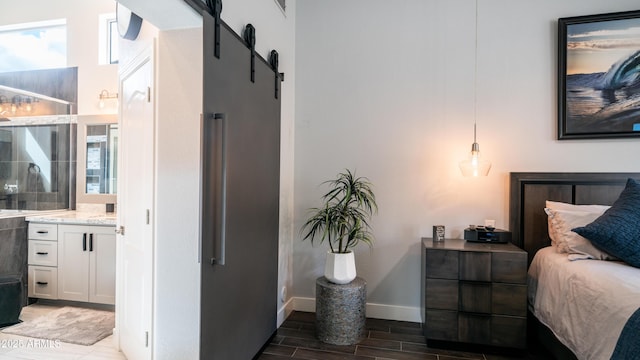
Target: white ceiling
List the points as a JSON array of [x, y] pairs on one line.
[[165, 14]]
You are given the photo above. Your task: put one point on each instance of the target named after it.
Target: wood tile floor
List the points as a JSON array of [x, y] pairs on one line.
[[385, 339]]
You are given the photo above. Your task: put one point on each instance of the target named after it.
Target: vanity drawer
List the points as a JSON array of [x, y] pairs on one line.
[[39, 231], [43, 282], [43, 253]]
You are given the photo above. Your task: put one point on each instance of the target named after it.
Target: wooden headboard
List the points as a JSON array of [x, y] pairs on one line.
[[529, 191]]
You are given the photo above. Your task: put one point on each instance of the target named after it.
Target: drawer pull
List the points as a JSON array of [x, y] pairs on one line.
[[42, 231], [42, 253], [42, 283]]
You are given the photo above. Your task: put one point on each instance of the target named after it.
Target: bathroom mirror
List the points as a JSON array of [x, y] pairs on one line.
[[96, 180]]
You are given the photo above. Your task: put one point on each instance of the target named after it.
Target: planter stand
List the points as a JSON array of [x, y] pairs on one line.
[[340, 311]]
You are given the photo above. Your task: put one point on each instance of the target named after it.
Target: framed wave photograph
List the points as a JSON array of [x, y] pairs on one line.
[[599, 76]]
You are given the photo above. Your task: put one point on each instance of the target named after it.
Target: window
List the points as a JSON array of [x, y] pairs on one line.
[[113, 41], [108, 41], [37, 45]]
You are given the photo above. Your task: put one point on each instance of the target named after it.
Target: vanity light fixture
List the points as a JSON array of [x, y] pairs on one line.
[[104, 94], [474, 165], [3, 100], [18, 102], [15, 102], [28, 107]]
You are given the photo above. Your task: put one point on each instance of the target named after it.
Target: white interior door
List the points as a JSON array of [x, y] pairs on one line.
[[135, 202]]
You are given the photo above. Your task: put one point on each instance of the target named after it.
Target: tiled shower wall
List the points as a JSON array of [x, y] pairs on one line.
[[37, 167]]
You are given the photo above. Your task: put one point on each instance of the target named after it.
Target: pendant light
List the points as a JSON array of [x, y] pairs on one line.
[[474, 165]]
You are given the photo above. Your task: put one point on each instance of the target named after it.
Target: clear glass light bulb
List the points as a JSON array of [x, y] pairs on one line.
[[475, 166]]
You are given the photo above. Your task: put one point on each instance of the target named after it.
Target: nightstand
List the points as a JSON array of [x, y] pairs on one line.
[[475, 293]]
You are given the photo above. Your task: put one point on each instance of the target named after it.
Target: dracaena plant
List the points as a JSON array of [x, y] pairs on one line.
[[343, 219]]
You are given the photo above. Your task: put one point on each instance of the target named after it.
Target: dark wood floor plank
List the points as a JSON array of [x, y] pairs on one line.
[[302, 316], [273, 357], [419, 348], [407, 330], [377, 324], [445, 357], [318, 345], [386, 340], [380, 343], [396, 336], [297, 333], [280, 350], [456, 354], [310, 354], [393, 354]]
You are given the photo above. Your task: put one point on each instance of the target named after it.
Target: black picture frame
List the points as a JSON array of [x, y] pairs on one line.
[[596, 101]]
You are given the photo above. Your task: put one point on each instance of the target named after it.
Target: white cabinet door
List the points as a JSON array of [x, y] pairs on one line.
[[87, 263], [102, 265], [73, 262]]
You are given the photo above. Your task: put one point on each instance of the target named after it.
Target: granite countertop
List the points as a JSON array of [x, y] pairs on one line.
[[75, 217]]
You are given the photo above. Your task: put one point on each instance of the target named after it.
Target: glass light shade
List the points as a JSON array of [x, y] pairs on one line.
[[474, 165]]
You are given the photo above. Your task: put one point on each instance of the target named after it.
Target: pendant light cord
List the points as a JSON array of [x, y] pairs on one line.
[[475, 79]]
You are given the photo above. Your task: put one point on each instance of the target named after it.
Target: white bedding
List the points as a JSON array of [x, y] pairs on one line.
[[586, 303]]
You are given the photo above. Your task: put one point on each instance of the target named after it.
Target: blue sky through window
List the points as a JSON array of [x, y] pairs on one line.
[[33, 46]]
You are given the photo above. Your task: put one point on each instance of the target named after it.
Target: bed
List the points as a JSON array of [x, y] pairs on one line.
[[578, 309]]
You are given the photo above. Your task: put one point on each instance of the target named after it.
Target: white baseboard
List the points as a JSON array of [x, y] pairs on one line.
[[377, 311], [284, 311]]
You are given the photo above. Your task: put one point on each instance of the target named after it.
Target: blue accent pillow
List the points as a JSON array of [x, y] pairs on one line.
[[617, 231]]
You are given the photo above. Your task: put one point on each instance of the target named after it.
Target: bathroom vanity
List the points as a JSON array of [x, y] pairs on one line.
[[72, 256]]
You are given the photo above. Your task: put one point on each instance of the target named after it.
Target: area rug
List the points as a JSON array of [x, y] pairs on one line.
[[68, 324]]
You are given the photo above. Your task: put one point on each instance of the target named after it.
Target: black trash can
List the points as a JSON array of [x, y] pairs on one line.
[[10, 299]]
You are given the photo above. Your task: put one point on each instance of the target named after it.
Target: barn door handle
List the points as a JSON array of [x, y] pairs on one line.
[[219, 239]]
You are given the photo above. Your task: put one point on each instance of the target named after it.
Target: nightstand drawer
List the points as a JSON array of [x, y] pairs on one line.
[[509, 268], [475, 297], [475, 266], [509, 299], [44, 253], [441, 325], [442, 294], [474, 328], [442, 264]]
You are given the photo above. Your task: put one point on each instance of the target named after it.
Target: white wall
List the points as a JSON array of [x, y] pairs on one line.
[[177, 271], [386, 88], [82, 43]]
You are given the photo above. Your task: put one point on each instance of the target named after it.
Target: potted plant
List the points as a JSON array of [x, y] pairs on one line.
[[343, 222]]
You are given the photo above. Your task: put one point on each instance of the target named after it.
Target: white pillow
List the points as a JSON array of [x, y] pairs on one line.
[[568, 241], [556, 205]]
